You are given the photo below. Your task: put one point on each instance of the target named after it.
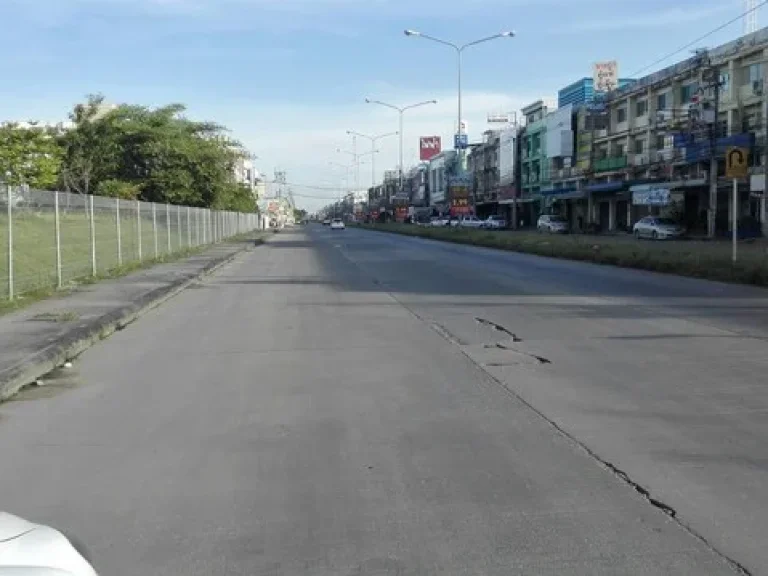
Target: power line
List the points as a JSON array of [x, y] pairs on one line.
[[702, 37]]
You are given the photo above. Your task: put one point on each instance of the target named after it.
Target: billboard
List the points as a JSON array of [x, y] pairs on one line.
[[559, 133], [605, 76], [429, 147], [507, 156]]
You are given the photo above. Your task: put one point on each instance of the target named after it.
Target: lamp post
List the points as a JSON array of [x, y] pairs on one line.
[[459, 51], [373, 140], [346, 168], [401, 110], [356, 161]]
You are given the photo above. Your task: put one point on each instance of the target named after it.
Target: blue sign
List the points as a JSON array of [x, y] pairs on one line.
[[460, 141], [650, 196]]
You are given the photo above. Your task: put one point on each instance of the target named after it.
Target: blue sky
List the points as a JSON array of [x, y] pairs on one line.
[[289, 77]]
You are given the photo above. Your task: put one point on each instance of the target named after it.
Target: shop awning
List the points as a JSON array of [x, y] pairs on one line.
[[606, 187]]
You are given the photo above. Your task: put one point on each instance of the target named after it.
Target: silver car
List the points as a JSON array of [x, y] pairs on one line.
[[657, 228], [552, 223]]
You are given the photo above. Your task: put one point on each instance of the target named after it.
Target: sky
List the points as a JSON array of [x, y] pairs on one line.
[[289, 78]]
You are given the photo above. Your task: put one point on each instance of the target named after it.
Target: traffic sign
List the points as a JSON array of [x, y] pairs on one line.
[[736, 163], [460, 141]]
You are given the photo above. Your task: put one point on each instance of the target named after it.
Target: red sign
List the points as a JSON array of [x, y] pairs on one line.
[[429, 147], [401, 213], [460, 207]]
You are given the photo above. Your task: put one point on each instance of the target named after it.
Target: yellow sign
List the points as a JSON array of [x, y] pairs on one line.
[[736, 163]]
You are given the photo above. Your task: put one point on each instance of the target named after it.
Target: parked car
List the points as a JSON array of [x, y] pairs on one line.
[[495, 222], [552, 223], [439, 221], [658, 228], [327, 222], [470, 222]]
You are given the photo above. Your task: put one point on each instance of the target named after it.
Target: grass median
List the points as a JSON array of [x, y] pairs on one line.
[[696, 258]]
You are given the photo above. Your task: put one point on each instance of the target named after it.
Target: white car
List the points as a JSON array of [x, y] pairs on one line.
[[495, 222], [327, 222], [552, 223], [470, 222], [337, 224], [28, 549], [657, 228]]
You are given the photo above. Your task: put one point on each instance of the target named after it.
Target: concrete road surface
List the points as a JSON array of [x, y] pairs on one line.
[[361, 404]]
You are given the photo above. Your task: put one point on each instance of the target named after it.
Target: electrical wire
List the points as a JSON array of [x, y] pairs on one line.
[[700, 38]]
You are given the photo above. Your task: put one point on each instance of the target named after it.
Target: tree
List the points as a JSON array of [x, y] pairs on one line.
[[29, 156], [159, 154]]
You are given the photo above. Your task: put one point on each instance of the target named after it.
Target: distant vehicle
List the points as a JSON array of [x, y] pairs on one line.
[[657, 228], [552, 223], [438, 221], [327, 222], [337, 224], [36, 550], [495, 222], [470, 222]]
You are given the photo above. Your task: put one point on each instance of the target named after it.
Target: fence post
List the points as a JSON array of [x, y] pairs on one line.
[[197, 226], [138, 225], [168, 225], [189, 227], [57, 225], [119, 231], [10, 242], [154, 228], [204, 216], [178, 227], [93, 235]]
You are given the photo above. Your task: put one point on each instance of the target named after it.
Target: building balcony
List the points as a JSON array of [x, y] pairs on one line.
[[610, 163]]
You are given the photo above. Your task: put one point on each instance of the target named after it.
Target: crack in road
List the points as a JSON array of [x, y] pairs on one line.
[[498, 328]]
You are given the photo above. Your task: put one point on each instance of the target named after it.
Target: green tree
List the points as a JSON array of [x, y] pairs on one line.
[[29, 156]]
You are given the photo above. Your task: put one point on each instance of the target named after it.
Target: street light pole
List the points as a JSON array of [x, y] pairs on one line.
[[401, 110], [373, 140], [459, 51]]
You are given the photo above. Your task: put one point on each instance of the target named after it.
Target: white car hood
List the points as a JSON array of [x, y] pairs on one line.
[[28, 549]]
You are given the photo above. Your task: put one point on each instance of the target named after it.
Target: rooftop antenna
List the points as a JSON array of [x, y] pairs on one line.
[[750, 16]]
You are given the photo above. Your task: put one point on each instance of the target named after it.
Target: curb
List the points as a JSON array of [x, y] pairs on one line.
[[82, 337]]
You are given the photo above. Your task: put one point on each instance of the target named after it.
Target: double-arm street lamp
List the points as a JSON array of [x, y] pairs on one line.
[[373, 140], [356, 161], [401, 110], [459, 51]]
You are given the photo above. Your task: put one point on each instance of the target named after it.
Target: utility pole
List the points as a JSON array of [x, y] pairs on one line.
[[712, 77]]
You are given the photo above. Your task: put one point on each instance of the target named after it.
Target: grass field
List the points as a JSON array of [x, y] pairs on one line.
[[700, 259], [34, 246]]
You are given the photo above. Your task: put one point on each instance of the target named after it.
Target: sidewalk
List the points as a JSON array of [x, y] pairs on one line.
[[45, 335]]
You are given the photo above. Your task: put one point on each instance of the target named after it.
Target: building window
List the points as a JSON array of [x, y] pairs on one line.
[[687, 92], [621, 115], [754, 73], [620, 151], [725, 81], [661, 101], [660, 141], [641, 108], [639, 146]]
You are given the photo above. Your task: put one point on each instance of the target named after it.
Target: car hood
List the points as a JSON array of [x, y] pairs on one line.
[[28, 549]]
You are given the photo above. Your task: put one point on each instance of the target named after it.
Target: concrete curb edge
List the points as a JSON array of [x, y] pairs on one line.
[[82, 337]]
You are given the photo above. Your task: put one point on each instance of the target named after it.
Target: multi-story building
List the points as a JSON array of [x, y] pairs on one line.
[[664, 130], [483, 164], [440, 169], [583, 92], [534, 170]]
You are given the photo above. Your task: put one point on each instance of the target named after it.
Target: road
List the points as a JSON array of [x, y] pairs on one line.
[[363, 404]]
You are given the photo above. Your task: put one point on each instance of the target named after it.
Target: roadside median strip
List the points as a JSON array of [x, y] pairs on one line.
[[698, 259], [48, 334]]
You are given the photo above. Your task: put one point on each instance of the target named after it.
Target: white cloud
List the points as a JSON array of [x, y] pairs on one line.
[[303, 139]]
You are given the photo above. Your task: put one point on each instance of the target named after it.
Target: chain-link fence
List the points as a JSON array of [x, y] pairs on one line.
[[50, 239]]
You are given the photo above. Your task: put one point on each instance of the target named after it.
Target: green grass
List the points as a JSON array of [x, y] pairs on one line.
[[700, 259], [34, 249]]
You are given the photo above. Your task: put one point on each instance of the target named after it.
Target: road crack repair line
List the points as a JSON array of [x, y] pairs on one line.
[[612, 468], [498, 328]]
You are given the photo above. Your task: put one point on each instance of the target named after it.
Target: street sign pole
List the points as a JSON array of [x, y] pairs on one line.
[[735, 217], [736, 166]]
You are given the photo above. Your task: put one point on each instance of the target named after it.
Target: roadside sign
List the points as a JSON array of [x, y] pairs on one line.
[[736, 163]]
